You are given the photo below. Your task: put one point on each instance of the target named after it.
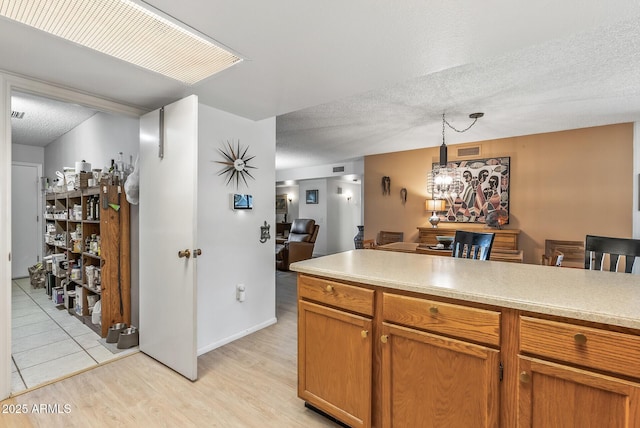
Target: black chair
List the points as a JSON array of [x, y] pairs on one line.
[[596, 247], [472, 245]]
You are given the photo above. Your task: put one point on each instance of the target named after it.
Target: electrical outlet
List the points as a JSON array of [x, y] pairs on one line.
[[240, 293]]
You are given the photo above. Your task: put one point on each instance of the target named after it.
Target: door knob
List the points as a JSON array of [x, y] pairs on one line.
[[185, 253], [197, 252]]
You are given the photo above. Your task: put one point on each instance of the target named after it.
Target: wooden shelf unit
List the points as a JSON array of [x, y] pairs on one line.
[[113, 227]]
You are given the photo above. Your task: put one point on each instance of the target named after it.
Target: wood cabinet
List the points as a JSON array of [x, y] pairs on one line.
[[335, 349], [505, 242], [506, 239], [374, 356], [577, 376], [98, 214], [430, 379]]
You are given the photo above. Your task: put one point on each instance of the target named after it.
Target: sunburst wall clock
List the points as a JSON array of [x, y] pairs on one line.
[[236, 163]]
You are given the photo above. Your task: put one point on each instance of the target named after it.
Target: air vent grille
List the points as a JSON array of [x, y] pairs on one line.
[[338, 169], [468, 151], [17, 114]]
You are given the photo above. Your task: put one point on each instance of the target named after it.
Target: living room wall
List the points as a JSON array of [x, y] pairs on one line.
[[564, 185]]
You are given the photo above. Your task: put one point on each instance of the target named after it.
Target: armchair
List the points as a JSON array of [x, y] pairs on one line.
[[299, 245]]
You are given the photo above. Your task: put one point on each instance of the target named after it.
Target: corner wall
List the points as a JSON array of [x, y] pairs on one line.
[[564, 185], [232, 252]]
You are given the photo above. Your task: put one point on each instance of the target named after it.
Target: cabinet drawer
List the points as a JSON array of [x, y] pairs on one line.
[[589, 347], [478, 325], [336, 294]]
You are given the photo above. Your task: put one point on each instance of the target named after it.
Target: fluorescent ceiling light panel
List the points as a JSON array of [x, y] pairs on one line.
[[128, 31]]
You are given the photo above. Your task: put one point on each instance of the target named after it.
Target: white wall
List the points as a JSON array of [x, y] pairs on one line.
[[98, 140], [232, 253], [31, 154], [343, 215], [355, 167], [318, 211]]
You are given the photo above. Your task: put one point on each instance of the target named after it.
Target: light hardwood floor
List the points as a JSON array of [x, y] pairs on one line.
[[248, 383]]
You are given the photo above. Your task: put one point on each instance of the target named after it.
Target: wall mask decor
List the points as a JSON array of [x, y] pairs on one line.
[[403, 195], [386, 185]]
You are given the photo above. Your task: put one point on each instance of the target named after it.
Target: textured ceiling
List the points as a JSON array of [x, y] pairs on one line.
[[45, 120], [347, 79]]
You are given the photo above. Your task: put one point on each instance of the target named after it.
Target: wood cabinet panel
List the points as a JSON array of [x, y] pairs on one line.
[[478, 325], [584, 346], [432, 381], [504, 238], [553, 395], [335, 362], [348, 297]]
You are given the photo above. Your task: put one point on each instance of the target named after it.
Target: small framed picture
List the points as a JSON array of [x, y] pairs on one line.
[[312, 197], [281, 204]]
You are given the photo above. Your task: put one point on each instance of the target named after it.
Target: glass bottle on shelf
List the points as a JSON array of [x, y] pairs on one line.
[[93, 246]]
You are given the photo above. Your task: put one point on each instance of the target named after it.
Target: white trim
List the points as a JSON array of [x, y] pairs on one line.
[[5, 242], [8, 83], [236, 336], [38, 87]]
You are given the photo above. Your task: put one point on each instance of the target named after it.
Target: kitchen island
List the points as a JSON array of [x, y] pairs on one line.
[[397, 339]]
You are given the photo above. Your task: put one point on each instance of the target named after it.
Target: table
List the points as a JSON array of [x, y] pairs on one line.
[[497, 254]]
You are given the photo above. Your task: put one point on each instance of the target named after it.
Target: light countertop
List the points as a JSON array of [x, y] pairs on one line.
[[605, 297]]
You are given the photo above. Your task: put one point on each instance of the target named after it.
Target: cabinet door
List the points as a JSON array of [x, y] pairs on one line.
[[334, 362], [432, 381], [553, 395]]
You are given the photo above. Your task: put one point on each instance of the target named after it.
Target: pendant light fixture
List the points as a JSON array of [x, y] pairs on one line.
[[444, 181]]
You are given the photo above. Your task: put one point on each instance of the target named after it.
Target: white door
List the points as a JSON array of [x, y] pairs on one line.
[[168, 193], [26, 241]]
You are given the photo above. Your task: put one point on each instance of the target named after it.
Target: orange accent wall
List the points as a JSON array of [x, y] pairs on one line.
[[564, 185]]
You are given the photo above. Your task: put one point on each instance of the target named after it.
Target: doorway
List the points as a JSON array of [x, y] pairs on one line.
[[48, 341], [26, 227]]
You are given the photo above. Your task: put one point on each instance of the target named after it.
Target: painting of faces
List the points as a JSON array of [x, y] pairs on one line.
[[484, 192]]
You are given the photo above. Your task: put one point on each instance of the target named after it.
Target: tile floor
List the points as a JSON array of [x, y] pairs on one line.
[[49, 343]]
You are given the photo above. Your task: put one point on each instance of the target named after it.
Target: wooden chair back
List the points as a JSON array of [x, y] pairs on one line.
[[597, 247], [387, 237], [555, 259], [472, 245], [573, 251]]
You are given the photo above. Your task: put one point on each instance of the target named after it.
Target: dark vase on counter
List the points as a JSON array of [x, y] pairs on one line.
[[357, 240]]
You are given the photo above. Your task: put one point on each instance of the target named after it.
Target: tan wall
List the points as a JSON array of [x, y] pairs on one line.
[[564, 185]]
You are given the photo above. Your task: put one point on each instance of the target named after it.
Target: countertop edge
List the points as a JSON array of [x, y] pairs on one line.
[[505, 302]]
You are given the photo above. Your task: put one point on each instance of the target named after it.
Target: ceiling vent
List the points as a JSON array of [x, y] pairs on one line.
[[17, 114], [338, 169], [468, 151]]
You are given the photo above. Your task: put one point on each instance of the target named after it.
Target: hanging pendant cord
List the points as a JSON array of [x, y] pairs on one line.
[[475, 119]]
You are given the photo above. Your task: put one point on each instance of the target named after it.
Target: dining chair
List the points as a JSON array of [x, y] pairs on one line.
[[597, 247], [554, 260], [472, 245], [387, 237]]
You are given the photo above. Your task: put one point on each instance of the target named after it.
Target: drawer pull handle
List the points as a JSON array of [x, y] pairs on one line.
[[384, 338], [525, 377], [364, 333], [433, 310], [580, 338], [329, 288]]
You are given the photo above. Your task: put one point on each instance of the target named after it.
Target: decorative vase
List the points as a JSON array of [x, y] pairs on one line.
[[357, 240]]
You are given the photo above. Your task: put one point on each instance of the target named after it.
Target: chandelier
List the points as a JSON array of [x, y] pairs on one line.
[[444, 180]]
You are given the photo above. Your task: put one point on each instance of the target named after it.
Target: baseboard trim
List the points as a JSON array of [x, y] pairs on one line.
[[236, 336]]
